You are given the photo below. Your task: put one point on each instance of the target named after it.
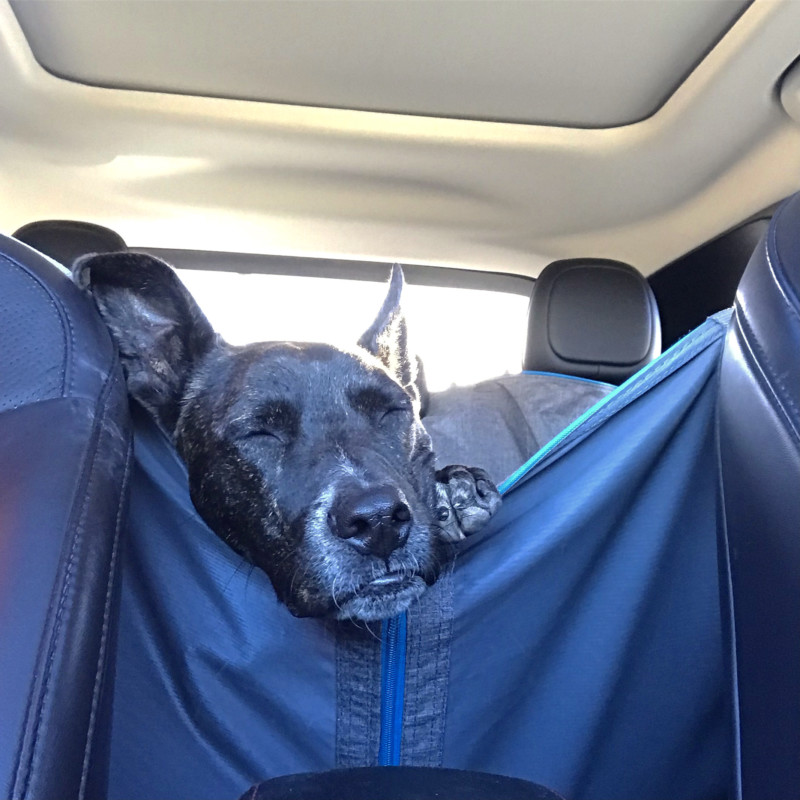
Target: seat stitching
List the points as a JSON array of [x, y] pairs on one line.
[[89, 474], [776, 277], [749, 334], [761, 377], [101, 658]]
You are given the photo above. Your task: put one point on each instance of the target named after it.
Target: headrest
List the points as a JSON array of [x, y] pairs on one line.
[[593, 318], [66, 240]]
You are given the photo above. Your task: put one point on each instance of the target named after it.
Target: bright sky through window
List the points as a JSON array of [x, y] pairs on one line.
[[462, 335]]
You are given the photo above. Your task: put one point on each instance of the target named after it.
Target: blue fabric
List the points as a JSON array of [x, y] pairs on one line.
[[683, 351], [587, 650], [579, 647], [217, 685]]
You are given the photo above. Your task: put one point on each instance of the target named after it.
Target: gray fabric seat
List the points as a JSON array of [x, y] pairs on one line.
[[500, 423], [590, 320]]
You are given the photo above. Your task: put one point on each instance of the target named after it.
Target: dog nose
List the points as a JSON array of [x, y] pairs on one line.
[[375, 520]]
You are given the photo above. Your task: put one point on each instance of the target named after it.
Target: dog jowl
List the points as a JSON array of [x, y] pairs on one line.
[[308, 460]]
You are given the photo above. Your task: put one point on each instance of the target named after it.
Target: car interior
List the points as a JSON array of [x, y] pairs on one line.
[[596, 204]]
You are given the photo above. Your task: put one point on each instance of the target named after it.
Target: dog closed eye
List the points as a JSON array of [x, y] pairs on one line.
[[381, 406], [396, 420], [262, 433], [273, 419]]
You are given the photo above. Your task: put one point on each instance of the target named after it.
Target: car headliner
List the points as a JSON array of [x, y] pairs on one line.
[[666, 158]]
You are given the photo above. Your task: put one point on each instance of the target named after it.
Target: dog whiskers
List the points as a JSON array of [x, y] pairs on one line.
[[360, 623], [333, 592], [301, 568]]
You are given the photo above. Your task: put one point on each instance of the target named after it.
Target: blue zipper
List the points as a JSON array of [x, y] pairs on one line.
[[393, 684]]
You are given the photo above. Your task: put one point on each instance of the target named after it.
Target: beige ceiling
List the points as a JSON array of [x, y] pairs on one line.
[[200, 172], [577, 63]]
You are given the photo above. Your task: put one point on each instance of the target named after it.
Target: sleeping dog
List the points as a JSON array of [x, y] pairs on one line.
[[309, 461]]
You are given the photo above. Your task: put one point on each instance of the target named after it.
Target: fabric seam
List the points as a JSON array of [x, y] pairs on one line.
[[730, 605]]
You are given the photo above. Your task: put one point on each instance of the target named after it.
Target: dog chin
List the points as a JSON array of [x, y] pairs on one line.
[[381, 599]]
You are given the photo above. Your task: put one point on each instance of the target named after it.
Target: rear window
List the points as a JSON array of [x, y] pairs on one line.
[[464, 334]]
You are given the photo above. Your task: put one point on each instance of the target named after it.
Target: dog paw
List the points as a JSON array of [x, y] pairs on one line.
[[467, 500]]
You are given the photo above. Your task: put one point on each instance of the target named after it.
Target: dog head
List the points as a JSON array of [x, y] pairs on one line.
[[308, 460]]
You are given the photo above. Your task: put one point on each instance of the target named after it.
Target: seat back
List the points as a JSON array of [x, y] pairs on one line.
[[759, 438], [64, 455], [591, 323], [500, 423]]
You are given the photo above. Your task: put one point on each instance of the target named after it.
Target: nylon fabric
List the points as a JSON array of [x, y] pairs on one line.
[[596, 612], [358, 695], [430, 633], [217, 685], [576, 644]]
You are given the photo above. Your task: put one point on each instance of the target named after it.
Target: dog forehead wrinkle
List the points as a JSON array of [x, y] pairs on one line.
[[312, 373], [291, 353]]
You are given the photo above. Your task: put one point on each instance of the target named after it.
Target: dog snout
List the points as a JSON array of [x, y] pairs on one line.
[[375, 520]]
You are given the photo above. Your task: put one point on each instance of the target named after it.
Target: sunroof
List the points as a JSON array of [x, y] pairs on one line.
[[575, 63]]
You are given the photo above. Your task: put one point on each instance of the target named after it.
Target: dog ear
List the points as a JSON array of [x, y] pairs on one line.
[[157, 326], [387, 338]]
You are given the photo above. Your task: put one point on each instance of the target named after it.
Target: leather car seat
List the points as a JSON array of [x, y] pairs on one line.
[[759, 439], [64, 461], [64, 240], [592, 318]]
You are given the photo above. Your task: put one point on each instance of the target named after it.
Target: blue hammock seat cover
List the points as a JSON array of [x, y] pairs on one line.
[[576, 642]]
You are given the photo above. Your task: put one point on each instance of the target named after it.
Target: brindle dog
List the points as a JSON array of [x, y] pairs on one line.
[[308, 460]]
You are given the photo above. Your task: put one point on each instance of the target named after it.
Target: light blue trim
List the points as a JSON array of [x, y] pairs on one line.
[[647, 377], [515, 476], [566, 377], [393, 684]]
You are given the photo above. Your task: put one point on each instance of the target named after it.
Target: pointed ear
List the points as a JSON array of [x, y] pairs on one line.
[[157, 326], [387, 338]]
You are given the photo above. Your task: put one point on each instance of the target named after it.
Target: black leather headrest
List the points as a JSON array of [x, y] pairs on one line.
[[66, 240], [592, 318]]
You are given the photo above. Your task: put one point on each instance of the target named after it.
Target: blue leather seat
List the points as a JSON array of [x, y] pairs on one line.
[[64, 459], [759, 433]]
